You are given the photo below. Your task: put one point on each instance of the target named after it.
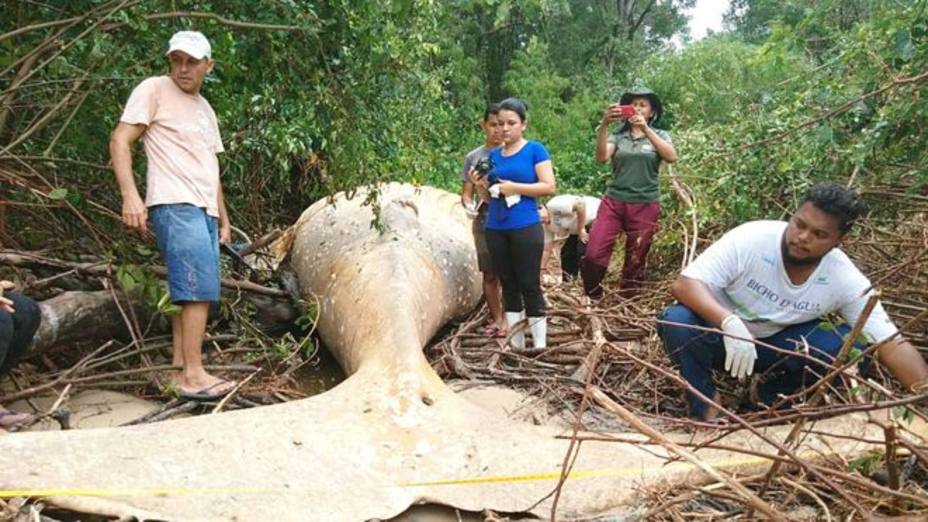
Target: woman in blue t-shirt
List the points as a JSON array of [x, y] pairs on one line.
[[521, 172]]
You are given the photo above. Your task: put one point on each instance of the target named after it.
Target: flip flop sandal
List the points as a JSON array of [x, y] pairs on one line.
[[208, 393]]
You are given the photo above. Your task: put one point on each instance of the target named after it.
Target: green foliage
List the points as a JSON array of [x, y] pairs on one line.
[[357, 92], [903, 413], [866, 464], [727, 97], [138, 282]]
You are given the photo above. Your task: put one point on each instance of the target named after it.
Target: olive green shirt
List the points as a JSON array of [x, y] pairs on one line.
[[635, 165]]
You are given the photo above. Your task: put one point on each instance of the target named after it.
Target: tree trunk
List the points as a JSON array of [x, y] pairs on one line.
[[74, 317], [79, 316]]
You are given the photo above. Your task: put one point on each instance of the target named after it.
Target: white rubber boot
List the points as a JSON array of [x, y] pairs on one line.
[[517, 340], [539, 329]]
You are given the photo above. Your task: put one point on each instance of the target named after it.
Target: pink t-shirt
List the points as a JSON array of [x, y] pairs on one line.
[[181, 143]]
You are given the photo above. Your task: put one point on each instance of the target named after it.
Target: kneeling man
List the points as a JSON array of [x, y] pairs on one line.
[[774, 281]]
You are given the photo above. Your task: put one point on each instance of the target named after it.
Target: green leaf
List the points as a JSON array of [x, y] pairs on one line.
[[166, 307], [904, 45], [864, 465], [827, 326], [58, 194], [903, 413], [128, 278]]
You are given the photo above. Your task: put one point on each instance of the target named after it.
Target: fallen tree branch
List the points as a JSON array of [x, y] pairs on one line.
[[214, 17], [96, 269], [747, 495]]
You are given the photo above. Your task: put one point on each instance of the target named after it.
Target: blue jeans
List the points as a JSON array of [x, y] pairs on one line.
[[697, 353], [188, 239], [17, 329]]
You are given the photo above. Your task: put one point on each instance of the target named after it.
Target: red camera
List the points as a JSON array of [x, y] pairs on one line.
[[627, 111]]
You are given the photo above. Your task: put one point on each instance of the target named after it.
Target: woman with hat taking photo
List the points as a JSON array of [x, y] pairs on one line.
[[631, 203]]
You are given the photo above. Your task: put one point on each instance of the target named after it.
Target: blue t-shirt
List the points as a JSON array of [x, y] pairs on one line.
[[520, 168]]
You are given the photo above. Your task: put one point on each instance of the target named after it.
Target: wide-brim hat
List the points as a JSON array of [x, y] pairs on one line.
[[640, 91]]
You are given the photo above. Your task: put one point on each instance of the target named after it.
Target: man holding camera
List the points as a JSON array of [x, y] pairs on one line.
[[476, 164]]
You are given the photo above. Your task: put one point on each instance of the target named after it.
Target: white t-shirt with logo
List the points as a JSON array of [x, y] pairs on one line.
[[563, 217], [181, 142], [745, 271]]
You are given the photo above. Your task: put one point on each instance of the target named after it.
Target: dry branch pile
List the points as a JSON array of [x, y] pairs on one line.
[[635, 373], [631, 371]]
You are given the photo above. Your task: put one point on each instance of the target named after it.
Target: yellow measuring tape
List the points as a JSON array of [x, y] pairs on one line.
[[583, 474]]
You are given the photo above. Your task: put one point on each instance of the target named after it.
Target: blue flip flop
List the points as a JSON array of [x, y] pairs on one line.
[[205, 394]]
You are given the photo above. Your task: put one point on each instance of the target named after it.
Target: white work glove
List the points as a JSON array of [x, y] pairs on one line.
[[739, 355], [494, 190], [513, 199]]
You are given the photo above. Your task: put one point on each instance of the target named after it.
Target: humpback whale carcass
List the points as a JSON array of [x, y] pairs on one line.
[[389, 436]]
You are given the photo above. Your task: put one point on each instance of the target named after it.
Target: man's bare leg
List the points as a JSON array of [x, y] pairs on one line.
[[493, 292], [177, 349], [193, 327]]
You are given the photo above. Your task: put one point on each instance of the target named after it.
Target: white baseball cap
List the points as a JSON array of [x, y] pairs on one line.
[[192, 43]]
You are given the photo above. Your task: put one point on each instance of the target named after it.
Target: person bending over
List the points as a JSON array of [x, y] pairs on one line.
[[569, 218]]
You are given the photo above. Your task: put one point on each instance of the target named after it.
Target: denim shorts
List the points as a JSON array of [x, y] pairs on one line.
[[189, 242]]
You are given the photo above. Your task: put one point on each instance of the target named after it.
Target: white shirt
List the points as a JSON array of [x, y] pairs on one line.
[[745, 271], [563, 217]]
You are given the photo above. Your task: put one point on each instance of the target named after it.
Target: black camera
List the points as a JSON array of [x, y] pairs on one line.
[[483, 167]]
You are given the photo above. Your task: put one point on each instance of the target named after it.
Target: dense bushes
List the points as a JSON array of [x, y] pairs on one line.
[[353, 92]]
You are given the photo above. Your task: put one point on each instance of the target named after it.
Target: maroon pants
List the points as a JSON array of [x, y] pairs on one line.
[[639, 222]]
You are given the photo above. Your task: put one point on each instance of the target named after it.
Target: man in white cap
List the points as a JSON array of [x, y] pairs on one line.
[[183, 196]]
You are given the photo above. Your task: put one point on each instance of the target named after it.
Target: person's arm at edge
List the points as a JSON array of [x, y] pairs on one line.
[[695, 295], [897, 354], [134, 213], [6, 305]]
